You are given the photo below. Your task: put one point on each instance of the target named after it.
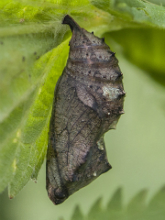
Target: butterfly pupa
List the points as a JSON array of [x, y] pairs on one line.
[[88, 101]]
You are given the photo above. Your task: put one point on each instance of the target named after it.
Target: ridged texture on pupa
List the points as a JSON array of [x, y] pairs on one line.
[[88, 102]]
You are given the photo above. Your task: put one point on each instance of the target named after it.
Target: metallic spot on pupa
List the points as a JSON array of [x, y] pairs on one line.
[[110, 92]]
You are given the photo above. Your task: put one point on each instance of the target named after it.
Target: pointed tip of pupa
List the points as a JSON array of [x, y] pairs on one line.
[[69, 20]]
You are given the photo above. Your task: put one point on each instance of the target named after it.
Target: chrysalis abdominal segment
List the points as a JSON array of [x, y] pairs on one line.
[[88, 102]]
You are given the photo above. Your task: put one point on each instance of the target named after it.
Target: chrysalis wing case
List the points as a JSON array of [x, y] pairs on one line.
[[88, 102]]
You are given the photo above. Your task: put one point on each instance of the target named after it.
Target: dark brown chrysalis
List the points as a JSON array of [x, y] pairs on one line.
[[88, 102]]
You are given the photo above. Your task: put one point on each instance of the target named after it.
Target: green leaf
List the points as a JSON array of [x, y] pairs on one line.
[[156, 208], [33, 135], [137, 205], [114, 208], [116, 201], [136, 209], [96, 211], [77, 215], [136, 11]]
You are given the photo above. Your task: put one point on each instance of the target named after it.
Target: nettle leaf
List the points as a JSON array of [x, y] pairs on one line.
[[30, 138], [136, 11], [77, 215], [136, 209]]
